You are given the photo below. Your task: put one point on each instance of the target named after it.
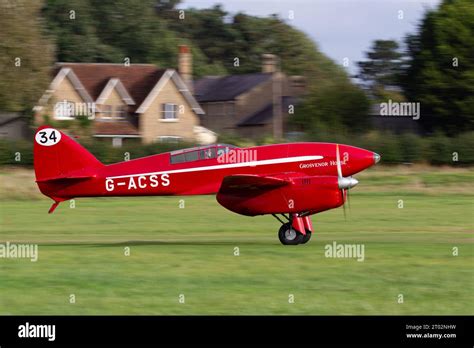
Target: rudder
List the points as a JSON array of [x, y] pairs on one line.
[[58, 156]]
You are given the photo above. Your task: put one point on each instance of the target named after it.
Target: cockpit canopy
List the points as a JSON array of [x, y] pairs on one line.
[[200, 153]]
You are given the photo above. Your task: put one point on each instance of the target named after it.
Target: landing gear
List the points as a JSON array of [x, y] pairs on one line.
[[289, 236], [289, 233], [306, 237]]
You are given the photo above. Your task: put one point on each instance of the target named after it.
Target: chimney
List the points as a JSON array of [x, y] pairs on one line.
[[297, 85], [269, 63], [185, 66]]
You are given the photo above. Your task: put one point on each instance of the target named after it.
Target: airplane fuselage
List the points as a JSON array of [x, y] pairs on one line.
[[157, 175]]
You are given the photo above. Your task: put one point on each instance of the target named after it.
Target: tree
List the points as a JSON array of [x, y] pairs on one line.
[[110, 31], [381, 71], [25, 56], [332, 109], [148, 31], [440, 74], [222, 38]]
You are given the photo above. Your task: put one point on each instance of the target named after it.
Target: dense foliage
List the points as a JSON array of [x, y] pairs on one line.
[[26, 55], [440, 72], [380, 73]]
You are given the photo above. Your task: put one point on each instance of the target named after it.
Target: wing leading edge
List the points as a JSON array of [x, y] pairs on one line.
[[249, 183]]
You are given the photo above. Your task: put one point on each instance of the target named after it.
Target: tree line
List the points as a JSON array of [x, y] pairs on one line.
[[433, 66]]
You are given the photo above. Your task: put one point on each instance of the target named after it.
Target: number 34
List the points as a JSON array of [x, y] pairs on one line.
[[48, 137]]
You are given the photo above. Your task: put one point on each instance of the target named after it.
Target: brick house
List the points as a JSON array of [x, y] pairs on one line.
[[125, 102], [248, 105]]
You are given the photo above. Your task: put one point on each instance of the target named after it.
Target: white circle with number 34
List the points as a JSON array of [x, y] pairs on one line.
[[48, 137]]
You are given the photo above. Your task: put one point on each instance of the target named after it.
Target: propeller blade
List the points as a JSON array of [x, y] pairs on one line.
[[348, 198], [344, 210], [344, 183], [343, 196], [338, 162]]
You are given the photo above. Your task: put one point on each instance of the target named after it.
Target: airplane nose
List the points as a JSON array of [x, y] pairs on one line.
[[376, 157]]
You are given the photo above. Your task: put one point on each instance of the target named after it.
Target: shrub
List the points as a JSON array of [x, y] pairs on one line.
[[463, 145], [411, 148], [18, 152], [437, 149]]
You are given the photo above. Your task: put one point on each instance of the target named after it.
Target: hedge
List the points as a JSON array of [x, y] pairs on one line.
[[437, 149]]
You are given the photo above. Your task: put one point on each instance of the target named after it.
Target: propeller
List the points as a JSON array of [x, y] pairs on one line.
[[344, 193], [348, 198], [344, 183]]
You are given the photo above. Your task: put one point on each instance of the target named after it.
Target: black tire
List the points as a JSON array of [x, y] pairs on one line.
[[306, 237], [288, 235]]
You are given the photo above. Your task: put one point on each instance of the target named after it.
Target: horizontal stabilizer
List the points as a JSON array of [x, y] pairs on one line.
[[66, 177]]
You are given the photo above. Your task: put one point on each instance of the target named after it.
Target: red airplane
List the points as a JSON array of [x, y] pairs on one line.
[[290, 181]]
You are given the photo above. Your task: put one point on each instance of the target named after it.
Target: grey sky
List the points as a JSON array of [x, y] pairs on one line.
[[341, 28]]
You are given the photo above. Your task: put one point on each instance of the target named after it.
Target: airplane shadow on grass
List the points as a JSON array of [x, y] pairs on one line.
[[164, 243]]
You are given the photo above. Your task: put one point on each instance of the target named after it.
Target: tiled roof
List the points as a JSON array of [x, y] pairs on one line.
[[138, 79], [223, 88], [265, 114], [115, 128]]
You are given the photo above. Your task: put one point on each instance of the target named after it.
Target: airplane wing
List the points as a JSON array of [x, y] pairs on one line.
[[279, 193], [250, 183]]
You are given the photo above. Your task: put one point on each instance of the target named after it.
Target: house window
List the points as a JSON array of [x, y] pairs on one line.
[[64, 110], [169, 111], [106, 112], [169, 139], [120, 111], [110, 112], [117, 142]]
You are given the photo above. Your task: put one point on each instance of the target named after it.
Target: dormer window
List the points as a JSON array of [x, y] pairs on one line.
[[113, 112], [169, 112], [106, 111], [120, 111]]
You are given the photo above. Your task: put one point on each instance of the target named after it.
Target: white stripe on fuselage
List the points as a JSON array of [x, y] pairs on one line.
[[225, 166]]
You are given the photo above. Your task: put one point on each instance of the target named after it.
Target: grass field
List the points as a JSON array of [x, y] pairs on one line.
[[190, 251]]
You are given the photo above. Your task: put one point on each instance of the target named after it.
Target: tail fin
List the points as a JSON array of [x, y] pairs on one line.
[[57, 157]]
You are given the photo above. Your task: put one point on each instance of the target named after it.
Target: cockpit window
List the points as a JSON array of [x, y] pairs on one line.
[[199, 153], [177, 159], [221, 151], [191, 156], [208, 153]]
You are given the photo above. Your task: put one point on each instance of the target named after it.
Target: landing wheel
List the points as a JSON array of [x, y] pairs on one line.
[[306, 237], [288, 235]]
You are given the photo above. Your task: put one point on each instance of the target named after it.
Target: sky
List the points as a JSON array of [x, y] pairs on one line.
[[342, 29]]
